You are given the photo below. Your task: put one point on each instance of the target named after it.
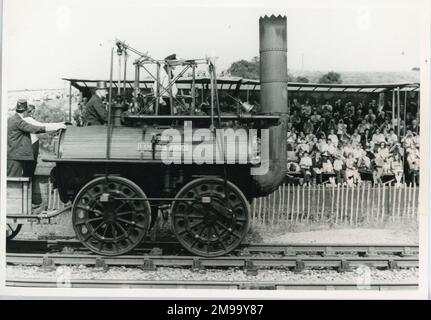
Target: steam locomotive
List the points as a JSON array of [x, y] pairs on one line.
[[201, 161]]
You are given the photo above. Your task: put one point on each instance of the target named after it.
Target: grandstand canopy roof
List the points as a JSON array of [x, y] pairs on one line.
[[237, 83]]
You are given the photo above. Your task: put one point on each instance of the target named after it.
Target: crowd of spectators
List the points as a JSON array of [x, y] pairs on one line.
[[343, 142]]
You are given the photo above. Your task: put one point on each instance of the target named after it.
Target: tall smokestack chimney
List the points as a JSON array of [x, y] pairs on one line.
[[273, 97]]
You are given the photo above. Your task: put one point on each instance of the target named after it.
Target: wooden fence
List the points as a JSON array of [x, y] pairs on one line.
[[351, 205], [320, 203]]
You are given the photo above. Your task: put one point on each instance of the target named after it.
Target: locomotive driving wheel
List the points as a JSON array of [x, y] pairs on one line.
[[106, 218], [12, 229], [213, 219]]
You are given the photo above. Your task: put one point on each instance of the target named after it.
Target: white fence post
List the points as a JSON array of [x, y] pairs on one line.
[[323, 202]]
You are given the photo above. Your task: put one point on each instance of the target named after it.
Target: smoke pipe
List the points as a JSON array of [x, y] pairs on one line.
[[273, 98]]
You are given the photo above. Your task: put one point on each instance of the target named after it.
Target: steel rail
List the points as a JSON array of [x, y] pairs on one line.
[[288, 249], [241, 285], [329, 249]]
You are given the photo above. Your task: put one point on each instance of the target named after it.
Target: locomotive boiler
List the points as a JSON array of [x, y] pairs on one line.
[[201, 161]]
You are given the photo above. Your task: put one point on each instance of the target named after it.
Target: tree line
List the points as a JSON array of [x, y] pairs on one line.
[[250, 70]]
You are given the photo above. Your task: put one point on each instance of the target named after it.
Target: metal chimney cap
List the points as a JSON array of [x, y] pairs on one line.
[[273, 17]]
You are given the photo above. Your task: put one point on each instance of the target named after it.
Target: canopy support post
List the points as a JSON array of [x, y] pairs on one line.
[[405, 113], [398, 111], [393, 108], [70, 101]]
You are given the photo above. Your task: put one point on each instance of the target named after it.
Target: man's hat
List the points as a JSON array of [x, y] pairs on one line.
[[171, 57], [101, 85], [21, 105]]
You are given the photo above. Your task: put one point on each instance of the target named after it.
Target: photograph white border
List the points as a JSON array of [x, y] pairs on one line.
[[421, 293]]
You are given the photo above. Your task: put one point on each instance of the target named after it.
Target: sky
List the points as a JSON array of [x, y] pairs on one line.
[[47, 40]]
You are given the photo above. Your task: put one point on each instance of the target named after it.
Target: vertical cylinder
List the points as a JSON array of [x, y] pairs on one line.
[[108, 129], [212, 99], [70, 101], [125, 75], [157, 93], [193, 104], [273, 98], [171, 100], [136, 89], [117, 109], [119, 76]]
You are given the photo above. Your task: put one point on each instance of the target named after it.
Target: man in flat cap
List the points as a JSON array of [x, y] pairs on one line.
[[20, 155], [95, 112]]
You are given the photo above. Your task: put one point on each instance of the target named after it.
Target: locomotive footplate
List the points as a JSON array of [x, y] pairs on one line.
[[38, 215]]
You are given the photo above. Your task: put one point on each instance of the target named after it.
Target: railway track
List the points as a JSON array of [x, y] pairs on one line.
[[159, 248], [241, 285], [250, 257], [250, 263]]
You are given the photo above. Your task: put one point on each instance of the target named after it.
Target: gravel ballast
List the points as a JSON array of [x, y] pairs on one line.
[[180, 274], [346, 236]]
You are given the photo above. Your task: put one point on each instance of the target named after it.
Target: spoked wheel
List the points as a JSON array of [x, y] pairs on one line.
[[12, 229], [210, 225], [105, 224]]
